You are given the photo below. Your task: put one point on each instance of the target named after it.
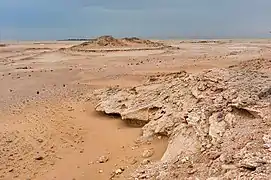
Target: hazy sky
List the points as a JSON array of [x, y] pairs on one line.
[[58, 19]]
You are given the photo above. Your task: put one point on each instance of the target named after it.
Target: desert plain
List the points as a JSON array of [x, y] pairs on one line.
[[135, 109]]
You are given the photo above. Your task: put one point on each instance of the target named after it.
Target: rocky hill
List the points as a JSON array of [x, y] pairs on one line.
[[105, 42]]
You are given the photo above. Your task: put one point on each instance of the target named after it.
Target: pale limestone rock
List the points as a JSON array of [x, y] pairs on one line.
[[217, 128], [194, 111]]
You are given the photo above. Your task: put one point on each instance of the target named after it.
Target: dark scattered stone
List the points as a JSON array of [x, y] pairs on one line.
[[25, 67], [38, 92], [39, 158], [249, 166], [220, 117]]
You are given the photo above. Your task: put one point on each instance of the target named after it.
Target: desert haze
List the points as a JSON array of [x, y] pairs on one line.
[[130, 108]]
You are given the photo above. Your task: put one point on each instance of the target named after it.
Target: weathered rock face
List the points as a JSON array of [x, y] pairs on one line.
[[215, 121]]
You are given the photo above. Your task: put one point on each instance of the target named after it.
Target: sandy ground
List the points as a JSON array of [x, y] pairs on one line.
[[49, 129]]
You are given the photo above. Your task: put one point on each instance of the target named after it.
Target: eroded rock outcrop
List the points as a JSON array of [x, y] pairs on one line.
[[215, 120], [109, 43]]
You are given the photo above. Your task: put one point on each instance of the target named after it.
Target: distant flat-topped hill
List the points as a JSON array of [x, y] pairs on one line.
[[109, 43]]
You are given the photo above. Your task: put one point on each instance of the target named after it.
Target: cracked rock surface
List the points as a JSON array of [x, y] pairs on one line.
[[218, 122]]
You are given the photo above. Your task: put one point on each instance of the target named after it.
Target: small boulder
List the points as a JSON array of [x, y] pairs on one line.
[[39, 158], [147, 153], [103, 159], [119, 171], [145, 162]]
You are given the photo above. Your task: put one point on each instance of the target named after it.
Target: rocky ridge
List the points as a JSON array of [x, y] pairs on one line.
[[109, 43]]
